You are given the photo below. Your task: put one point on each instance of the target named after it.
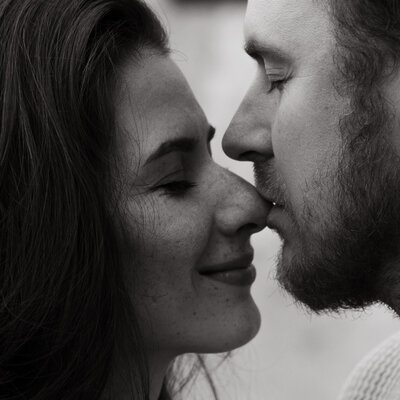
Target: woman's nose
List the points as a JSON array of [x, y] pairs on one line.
[[240, 207]]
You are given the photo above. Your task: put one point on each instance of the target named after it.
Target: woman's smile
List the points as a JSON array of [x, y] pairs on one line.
[[236, 272]]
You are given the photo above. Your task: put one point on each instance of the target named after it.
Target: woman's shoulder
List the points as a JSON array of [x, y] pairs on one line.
[[377, 376]]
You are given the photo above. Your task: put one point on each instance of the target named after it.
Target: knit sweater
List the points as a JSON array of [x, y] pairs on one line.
[[377, 376]]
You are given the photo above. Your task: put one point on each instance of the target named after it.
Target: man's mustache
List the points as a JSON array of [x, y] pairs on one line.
[[268, 183]]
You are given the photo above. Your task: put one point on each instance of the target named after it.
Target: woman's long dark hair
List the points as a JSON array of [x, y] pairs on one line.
[[65, 317]]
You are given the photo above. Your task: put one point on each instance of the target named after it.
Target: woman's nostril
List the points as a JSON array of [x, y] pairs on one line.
[[250, 228]]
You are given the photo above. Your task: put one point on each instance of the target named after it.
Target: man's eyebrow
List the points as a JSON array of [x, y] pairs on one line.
[[183, 144], [258, 51]]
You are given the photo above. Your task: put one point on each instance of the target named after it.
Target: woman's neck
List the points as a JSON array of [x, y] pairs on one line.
[[158, 366], [118, 388]]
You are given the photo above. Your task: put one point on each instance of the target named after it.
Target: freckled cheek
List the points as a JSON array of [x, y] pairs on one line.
[[170, 253], [219, 249]]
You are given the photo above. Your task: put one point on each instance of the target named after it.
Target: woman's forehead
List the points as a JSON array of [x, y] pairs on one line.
[[154, 103], [156, 88]]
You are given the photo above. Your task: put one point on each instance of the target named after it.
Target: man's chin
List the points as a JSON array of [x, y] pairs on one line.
[[322, 285]]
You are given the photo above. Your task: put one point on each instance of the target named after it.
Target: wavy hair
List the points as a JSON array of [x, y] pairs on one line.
[[368, 54], [367, 57], [65, 317]]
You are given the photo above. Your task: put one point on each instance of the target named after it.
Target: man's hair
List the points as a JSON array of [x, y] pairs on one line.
[[65, 316], [368, 54], [367, 58]]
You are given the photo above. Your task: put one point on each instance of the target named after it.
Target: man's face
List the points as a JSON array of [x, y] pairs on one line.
[[335, 201]]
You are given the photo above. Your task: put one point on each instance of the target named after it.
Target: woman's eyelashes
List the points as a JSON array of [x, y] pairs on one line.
[[182, 166], [176, 188], [173, 184]]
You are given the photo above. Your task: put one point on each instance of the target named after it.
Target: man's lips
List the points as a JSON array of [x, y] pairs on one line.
[[273, 218], [273, 197], [274, 211], [271, 200]]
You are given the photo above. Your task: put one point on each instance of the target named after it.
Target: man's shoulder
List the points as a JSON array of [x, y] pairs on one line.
[[377, 376]]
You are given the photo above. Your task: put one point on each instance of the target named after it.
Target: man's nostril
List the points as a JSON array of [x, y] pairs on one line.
[[251, 156]]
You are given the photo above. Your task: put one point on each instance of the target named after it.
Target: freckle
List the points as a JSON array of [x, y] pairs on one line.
[[227, 300], [194, 313]]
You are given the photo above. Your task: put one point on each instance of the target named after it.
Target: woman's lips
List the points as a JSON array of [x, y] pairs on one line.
[[238, 272], [237, 277]]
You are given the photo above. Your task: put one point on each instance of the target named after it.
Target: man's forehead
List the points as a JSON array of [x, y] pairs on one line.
[[288, 24]]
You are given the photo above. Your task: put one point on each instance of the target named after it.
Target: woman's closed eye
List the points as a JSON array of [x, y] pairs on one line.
[[174, 184], [176, 188]]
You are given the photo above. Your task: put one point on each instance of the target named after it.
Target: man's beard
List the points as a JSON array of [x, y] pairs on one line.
[[347, 262]]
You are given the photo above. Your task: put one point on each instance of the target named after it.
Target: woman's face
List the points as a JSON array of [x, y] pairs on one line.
[[189, 220]]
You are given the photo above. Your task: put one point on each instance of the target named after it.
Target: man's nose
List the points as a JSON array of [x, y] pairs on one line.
[[248, 137]]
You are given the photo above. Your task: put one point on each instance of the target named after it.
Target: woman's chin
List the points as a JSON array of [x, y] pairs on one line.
[[241, 329], [228, 332]]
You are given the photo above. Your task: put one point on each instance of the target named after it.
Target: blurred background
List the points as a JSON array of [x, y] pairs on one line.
[[296, 355]]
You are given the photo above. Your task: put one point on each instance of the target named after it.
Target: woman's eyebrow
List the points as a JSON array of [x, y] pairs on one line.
[[183, 144]]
